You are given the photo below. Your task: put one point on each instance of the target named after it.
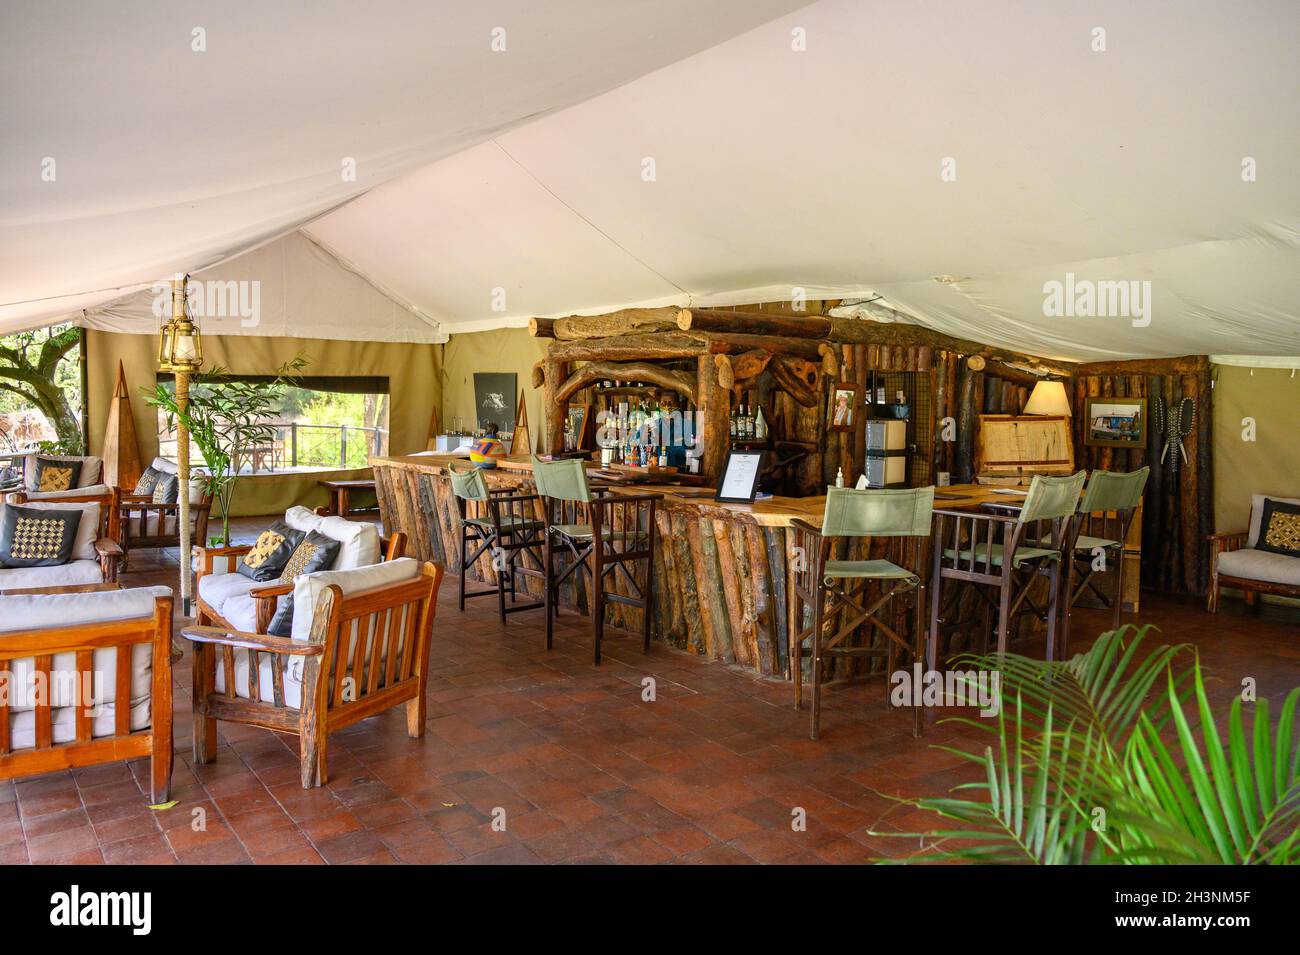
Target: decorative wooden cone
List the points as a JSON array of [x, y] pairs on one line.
[[121, 450], [521, 443]]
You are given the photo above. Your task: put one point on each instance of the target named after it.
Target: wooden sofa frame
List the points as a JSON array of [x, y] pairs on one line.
[[82, 640], [328, 702], [108, 549], [266, 594], [1250, 589]]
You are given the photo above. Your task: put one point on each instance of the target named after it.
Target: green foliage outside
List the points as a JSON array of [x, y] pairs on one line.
[[41, 369]]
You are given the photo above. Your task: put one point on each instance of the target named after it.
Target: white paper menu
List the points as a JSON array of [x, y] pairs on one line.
[[741, 477]]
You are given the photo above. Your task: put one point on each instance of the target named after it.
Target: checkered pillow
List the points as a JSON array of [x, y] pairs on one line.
[[314, 552], [37, 537]]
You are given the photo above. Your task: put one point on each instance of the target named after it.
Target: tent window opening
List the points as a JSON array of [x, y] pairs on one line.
[[325, 424]]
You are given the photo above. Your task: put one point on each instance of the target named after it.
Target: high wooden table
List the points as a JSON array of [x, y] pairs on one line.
[[721, 570]]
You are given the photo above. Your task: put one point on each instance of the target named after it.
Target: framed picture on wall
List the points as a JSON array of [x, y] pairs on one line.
[[1115, 422], [844, 409], [494, 400]]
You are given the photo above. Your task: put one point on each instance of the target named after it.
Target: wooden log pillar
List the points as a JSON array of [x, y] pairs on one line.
[[712, 404], [554, 373]]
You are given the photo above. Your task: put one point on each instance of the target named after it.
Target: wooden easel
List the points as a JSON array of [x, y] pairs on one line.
[[520, 443]]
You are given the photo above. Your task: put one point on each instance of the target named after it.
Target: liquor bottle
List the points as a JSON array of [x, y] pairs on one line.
[[734, 418], [760, 425], [839, 477], [749, 422], [663, 455]]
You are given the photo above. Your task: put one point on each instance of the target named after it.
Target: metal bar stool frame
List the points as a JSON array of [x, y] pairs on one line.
[[508, 528], [1014, 551], [602, 534]]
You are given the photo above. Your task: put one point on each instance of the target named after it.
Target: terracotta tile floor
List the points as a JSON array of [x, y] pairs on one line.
[[583, 769]]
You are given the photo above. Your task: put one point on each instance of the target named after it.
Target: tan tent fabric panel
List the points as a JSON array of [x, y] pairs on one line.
[[504, 350], [414, 382], [1271, 463]]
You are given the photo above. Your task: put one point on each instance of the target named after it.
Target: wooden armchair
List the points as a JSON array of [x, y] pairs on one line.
[[360, 646], [107, 549], [142, 523], [1237, 561], [55, 714]]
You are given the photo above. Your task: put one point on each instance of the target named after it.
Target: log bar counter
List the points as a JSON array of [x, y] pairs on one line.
[[721, 570]]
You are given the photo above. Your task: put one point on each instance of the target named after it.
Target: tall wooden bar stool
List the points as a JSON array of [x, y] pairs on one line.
[[1001, 556], [507, 528], [604, 536], [1100, 529], [839, 589]]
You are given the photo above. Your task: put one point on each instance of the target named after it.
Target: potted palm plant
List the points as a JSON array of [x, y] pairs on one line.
[[1116, 756], [226, 417]]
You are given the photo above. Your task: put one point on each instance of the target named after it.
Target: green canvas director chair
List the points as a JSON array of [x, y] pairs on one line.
[[503, 524], [604, 537], [1001, 556], [832, 593], [1102, 525]]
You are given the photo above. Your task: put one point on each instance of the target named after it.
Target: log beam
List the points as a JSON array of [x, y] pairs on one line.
[[623, 371], [626, 321], [630, 348], [541, 327], [752, 323], [900, 333], [797, 378]]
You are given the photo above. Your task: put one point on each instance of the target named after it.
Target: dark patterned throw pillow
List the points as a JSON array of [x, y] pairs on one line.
[[148, 480], [57, 474], [270, 553], [37, 537], [314, 552], [165, 489], [1279, 528]]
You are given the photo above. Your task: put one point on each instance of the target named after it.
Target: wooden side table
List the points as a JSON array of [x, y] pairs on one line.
[[341, 493]]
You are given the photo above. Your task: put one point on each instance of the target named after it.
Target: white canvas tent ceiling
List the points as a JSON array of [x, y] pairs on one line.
[[775, 169]]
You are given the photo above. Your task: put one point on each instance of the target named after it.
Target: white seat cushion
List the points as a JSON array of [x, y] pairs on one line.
[[73, 572], [216, 589], [93, 491], [265, 683], [83, 545], [240, 611], [64, 720], [58, 611], [1261, 565]]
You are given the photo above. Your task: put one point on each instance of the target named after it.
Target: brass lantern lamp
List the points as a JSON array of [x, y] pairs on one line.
[[180, 351]]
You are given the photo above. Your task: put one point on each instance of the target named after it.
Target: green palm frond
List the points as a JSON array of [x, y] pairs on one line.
[[1095, 764]]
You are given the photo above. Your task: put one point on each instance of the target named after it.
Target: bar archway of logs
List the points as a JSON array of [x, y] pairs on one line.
[[722, 573]]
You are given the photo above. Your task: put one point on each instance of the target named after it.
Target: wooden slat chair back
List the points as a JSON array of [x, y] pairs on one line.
[[48, 685], [1099, 531], [839, 589], [502, 527], [366, 652], [142, 523], [1000, 556], [604, 538]]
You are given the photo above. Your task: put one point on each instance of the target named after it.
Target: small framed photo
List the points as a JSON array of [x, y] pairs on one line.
[[739, 484], [844, 410], [1116, 422]]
